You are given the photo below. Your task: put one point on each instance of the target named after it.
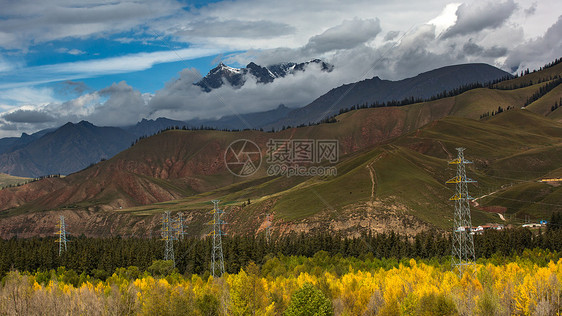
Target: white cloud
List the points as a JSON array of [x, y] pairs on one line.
[[73, 51], [473, 18], [5, 66], [27, 95], [116, 105], [415, 36], [113, 65], [182, 100], [446, 19], [128, 63], [43, 21], [536, 52]]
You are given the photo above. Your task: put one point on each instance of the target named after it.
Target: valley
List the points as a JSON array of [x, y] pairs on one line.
[[405, 148]]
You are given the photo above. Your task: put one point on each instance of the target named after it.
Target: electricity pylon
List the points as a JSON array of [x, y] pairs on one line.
[[267, 228], [463, 243], [217, 258], [181, 227], [169, 235], [62, 235]]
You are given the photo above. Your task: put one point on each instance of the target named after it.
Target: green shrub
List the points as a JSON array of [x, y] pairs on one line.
[[309, 300]]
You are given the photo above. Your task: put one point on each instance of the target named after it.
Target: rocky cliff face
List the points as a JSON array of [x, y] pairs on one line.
[[355, 220]]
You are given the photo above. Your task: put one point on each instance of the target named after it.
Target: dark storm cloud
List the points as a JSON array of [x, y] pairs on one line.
[[473, 19], [347, 35], [28, 116], [391, 35], [472, 49], [495, 51], [8, 126]]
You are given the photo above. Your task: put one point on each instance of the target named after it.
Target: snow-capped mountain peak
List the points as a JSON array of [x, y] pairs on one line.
[[236, 77]]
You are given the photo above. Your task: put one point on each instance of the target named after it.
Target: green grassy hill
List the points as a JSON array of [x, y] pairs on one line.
[[390, 176], [533, 77], [409, 175]]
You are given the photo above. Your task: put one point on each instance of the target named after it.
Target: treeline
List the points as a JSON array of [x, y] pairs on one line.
[[543, 90], [30, 181], [192, 128], [515, 86], [412, 100], [555, 62], [99, 257], [527, 71], [492, 113], [459, 90], [556, 105]]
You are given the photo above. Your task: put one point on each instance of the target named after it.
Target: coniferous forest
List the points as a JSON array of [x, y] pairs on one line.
[[100, 257], [517, 271]]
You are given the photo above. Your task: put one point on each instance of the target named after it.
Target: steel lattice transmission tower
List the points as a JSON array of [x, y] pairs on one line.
[[463, 243], [217, 258], [62, 235], [268, 228], [181, 227], [169, 235]]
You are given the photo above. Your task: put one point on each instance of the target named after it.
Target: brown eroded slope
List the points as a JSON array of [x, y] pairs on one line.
[[180, 163]]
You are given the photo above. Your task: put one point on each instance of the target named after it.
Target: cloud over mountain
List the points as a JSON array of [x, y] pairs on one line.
[[346, 35], [361, 38]]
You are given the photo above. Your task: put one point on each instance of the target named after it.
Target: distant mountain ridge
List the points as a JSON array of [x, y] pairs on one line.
[[150, 127], [244, 121], [70, 148], [66, 150], [424, 85], [8, 144], [236, 77]]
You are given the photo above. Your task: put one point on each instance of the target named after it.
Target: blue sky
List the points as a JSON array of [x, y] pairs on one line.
[[114, 63]]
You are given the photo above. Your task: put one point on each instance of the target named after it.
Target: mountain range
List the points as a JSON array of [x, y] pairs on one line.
[[391, 172], [236, 77], [422, 86], [70, 148], [55, 151]]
